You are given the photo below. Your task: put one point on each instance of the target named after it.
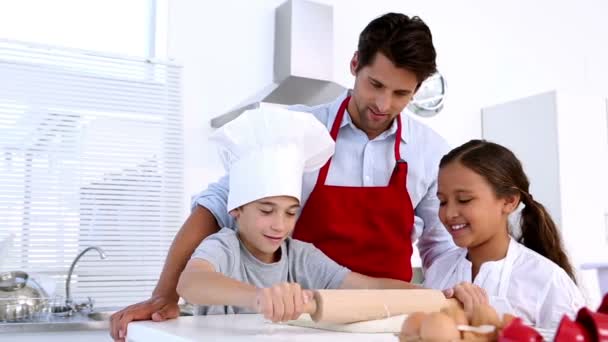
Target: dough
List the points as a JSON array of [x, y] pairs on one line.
[[387, 325]]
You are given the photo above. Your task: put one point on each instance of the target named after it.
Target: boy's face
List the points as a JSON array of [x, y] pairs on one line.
[[264, 224]]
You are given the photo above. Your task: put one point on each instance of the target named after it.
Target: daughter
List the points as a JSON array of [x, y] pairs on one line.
[[480, 183]]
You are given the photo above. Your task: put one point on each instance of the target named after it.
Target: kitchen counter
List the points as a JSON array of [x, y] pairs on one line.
[[237, 328]]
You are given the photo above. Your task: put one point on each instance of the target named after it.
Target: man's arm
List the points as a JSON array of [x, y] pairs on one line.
[[163, 303], [434, 239], [207, 210], [200, 224]]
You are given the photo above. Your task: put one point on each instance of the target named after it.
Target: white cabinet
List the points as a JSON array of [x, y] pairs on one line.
[[562, 140]]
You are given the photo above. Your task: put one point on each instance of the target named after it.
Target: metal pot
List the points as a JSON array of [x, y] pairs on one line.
[[21, 297]]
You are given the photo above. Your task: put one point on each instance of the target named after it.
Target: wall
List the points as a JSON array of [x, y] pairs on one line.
[[226, 49], [490, 52]]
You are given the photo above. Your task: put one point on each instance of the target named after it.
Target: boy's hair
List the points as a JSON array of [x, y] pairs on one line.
[[405, 41], [504, 172]]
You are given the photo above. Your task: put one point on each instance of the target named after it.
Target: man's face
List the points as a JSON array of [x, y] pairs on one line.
[[380, 93]]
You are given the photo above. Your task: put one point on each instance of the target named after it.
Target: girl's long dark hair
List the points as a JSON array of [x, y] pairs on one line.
[[504, 172]]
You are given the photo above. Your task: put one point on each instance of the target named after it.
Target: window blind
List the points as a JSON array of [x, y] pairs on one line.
[[91, 154]]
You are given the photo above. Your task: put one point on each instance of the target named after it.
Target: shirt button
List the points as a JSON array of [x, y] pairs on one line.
[[367, 178]]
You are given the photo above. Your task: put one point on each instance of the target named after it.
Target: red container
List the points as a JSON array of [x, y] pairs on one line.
[[517, 331], [596, 323], [604, 306], [569, 330]]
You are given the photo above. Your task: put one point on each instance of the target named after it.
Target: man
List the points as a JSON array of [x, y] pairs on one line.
[[377, 194]]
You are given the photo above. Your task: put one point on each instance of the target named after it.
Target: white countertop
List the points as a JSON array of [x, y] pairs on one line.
[[237, 328]]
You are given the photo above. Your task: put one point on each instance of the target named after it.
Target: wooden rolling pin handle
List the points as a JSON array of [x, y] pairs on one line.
[[310, 307], [452, 302]]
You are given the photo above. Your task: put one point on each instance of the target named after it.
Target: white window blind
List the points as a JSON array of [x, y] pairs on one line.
[[90, 154]]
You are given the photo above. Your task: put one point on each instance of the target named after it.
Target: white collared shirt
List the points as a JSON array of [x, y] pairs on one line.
[[537, 290], [359, 161]]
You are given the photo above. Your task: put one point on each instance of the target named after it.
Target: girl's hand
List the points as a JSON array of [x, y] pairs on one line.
[[469, 295], [282, 302]]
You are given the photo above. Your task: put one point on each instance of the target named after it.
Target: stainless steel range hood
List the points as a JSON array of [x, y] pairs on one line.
[[303, 60]]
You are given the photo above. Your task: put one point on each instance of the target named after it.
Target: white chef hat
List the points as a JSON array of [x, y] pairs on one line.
[[266, 151]]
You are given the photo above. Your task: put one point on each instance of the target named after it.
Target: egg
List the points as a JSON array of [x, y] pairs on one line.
[[439, 327], [506, 319], [469, 336], [485, 314], [457, 314], [411, 326]]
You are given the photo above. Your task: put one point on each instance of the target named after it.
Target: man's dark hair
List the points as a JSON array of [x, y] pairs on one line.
[[406, 41]]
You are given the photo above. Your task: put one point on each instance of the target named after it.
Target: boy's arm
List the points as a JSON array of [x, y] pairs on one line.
[[201, 284], [281, 302], [354, 280], [321, 272]]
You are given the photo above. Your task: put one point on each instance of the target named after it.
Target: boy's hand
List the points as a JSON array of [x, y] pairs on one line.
[[469, 295], [282, 302]]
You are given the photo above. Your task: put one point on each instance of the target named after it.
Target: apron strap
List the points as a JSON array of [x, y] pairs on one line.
[[398, 139]]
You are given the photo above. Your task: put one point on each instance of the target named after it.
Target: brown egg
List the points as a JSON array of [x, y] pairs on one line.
[[438, 327], [506, 319], [411, 326], [469, 336], [457, 314], [485, 314]]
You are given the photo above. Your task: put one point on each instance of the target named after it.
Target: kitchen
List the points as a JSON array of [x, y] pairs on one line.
[[486, 56]]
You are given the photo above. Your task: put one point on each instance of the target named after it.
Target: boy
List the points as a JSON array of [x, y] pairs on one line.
[[259, 267]]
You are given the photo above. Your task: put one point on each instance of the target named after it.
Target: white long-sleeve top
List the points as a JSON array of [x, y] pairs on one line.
[[524, 283]]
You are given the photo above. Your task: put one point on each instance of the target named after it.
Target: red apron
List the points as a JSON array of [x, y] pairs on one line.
[[367, 229]]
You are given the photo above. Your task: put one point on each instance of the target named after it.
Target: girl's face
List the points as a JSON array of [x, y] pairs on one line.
[[469, 207], [264, 224]]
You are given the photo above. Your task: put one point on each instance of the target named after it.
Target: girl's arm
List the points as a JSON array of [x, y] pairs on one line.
[[200, 284], [354, 280]]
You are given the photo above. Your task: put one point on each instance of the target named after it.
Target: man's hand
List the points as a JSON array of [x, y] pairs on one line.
[[156, 308], [469, 295], [282, 302]]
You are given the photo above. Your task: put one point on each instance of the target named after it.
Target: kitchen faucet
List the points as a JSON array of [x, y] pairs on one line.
[[68, 296]]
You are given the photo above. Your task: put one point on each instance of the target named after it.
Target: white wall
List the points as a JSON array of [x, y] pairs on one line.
[[490, 52], [226, 49], [544, 131]]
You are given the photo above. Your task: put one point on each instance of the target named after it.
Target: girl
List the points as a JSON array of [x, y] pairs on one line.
[[259, 268], [480, 183]]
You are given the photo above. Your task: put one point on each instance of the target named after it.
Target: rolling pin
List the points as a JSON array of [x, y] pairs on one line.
[[349, 306]]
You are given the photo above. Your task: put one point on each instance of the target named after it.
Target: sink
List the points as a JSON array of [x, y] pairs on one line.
[[61, 320], [100, 315]]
